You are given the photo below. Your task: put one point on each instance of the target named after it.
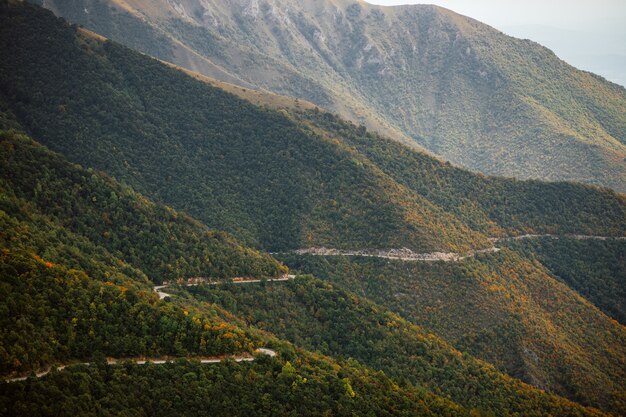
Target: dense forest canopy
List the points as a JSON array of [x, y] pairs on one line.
[[161, 242], [504, 308]]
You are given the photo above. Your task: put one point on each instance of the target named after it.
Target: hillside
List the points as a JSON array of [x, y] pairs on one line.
[[62, 316], [270, 178], [70, 295], [82, 247], [420, 74], [67, 298], [164, 244], [321, 316], [595, 268], [234, 166], [499, 307]]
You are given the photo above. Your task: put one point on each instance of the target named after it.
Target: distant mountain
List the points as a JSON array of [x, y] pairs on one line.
[[275, 179], [421, 74], [599, 48]]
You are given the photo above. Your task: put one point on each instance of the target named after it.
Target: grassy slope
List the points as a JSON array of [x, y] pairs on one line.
[[502, 308], [460, 88]]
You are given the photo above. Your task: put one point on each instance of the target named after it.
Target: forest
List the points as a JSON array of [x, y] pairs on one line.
[[503, 308], [118, 173], [162, 242], [595, 268], [58, 314], [322, 317]]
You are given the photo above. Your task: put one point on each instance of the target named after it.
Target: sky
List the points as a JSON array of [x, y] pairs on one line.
[[558, 13], [589, 34]]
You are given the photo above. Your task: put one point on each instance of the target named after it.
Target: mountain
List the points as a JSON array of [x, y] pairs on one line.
[[421, 74], [278, 175], [276, 179]]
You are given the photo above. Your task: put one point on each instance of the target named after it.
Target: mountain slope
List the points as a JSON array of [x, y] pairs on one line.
[[72, 301], [162, 243], [67, 299], [457, 87], [232, 165], [502, 308], [595, 268], [322, 316], [266, 176]]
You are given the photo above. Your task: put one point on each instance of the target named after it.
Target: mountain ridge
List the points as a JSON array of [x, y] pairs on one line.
[[420, 73]]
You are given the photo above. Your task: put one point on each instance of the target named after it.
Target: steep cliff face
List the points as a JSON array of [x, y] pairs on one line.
[[421, 74]]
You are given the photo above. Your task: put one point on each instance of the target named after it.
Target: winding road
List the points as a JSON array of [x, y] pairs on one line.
[[549, 236], [155, 361], [396, 254], [405, 254]]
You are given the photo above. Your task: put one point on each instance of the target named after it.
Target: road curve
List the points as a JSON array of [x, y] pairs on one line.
[[286, 277]]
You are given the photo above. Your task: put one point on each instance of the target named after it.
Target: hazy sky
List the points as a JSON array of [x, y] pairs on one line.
[[560, 13], [589, 34]]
